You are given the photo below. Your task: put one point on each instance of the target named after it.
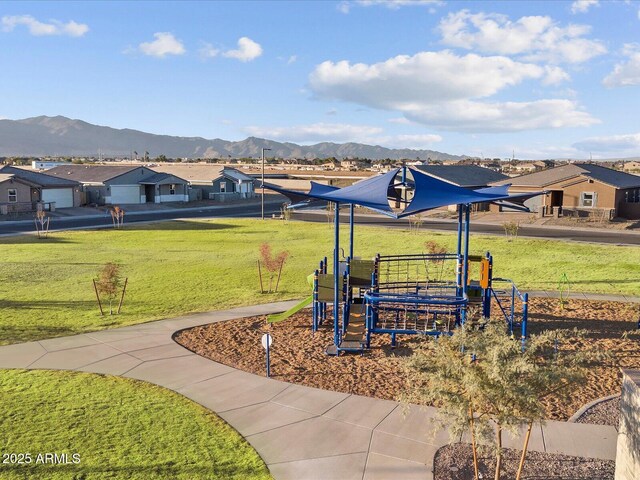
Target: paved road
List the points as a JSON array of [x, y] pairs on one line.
[[253, 210], [578, 235], [66, 223]]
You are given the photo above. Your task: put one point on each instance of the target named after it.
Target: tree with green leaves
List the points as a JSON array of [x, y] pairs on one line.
[[484, 383]]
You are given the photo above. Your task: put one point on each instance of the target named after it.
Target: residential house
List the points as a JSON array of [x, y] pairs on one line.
[[215, 182], [468, 176], [631, 167], [52, 191], [581, 187], [119, 184]]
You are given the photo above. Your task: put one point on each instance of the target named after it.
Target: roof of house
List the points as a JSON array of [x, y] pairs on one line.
[[42, 179], [161, 178], [91, 173], [202, 173], [550, 176], [462, 175], [5, 176]]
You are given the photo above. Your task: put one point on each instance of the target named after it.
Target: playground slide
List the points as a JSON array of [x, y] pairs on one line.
[[278, 317]]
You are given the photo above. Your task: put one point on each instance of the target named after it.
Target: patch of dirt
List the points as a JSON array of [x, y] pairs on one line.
[[297, 355], [455, 462], [604, 413]]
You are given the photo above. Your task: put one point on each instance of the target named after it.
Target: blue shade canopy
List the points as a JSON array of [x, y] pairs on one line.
[[371, 193], [432, 193], [428, 193]]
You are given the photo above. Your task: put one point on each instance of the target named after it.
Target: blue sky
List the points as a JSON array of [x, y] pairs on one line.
[[546, 79]]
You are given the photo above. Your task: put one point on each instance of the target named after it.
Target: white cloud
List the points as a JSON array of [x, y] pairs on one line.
[[536, 38], [399, 120], [247, 50], [485, 117], [345, 6], [626, 73], [317, 132], [37, 28], [583, 6], [208, 51], [403, 81], [613, 143], [164, 44], [292, 59], [554, 75], [442, 89], [411, 141], [331, 111]]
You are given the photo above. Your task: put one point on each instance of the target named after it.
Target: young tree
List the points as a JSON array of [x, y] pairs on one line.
[[511, 230], [109, 283], [272, 263], [484, 383]]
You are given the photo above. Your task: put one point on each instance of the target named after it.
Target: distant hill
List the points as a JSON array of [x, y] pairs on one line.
[[61, 136]]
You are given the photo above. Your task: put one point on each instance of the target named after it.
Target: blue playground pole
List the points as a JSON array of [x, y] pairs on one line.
[[351, 214], [459, 252], [525, 314], [465, 261], [336, 276]]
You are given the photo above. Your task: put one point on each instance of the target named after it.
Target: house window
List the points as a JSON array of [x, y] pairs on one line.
[[13, 195], [588, 199], [172, 189], [632, 196], [223, 187]]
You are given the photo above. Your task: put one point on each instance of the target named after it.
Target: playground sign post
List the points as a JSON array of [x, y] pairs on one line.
[[266, 344]]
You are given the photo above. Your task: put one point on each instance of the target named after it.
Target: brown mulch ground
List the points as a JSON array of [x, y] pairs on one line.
[[603, 413], [297, 354], [455, 462]]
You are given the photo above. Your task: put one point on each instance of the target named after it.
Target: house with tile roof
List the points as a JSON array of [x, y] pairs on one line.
[[22, 190], [581, 187], [124, 184]]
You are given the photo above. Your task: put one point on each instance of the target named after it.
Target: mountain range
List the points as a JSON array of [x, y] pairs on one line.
[[61, 136]]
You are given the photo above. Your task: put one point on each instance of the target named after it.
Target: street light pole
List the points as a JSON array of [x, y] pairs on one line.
[[262, 200]]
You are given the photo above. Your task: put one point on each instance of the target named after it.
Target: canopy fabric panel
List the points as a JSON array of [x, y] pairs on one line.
[[432, 193], [372, 193], [429, 193]]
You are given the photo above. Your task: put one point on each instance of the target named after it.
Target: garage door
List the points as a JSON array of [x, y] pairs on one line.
[[125, 194], [62, 196]]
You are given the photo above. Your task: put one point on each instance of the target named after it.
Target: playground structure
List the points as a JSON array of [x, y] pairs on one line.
[[408, 294]]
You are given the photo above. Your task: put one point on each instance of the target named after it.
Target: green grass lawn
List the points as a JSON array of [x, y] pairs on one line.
[[121, 428], [192, 266]]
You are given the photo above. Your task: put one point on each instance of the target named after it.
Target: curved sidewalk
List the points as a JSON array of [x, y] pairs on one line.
[[300, 432]]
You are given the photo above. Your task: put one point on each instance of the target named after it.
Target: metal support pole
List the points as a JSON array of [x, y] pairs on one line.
[[336, 275], [268, 360], [351, 214], [525, 314], [262, 197], [458, 253], [465, 261]]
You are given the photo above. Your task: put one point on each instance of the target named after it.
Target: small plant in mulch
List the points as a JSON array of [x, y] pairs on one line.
[[109, 286], [271, 264], [564, 290], [484, 383]]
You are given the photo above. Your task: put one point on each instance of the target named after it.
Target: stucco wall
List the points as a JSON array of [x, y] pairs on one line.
[[23, 191], [628, 448]]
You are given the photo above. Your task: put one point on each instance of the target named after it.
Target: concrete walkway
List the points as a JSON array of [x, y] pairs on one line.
[[300, 432]]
